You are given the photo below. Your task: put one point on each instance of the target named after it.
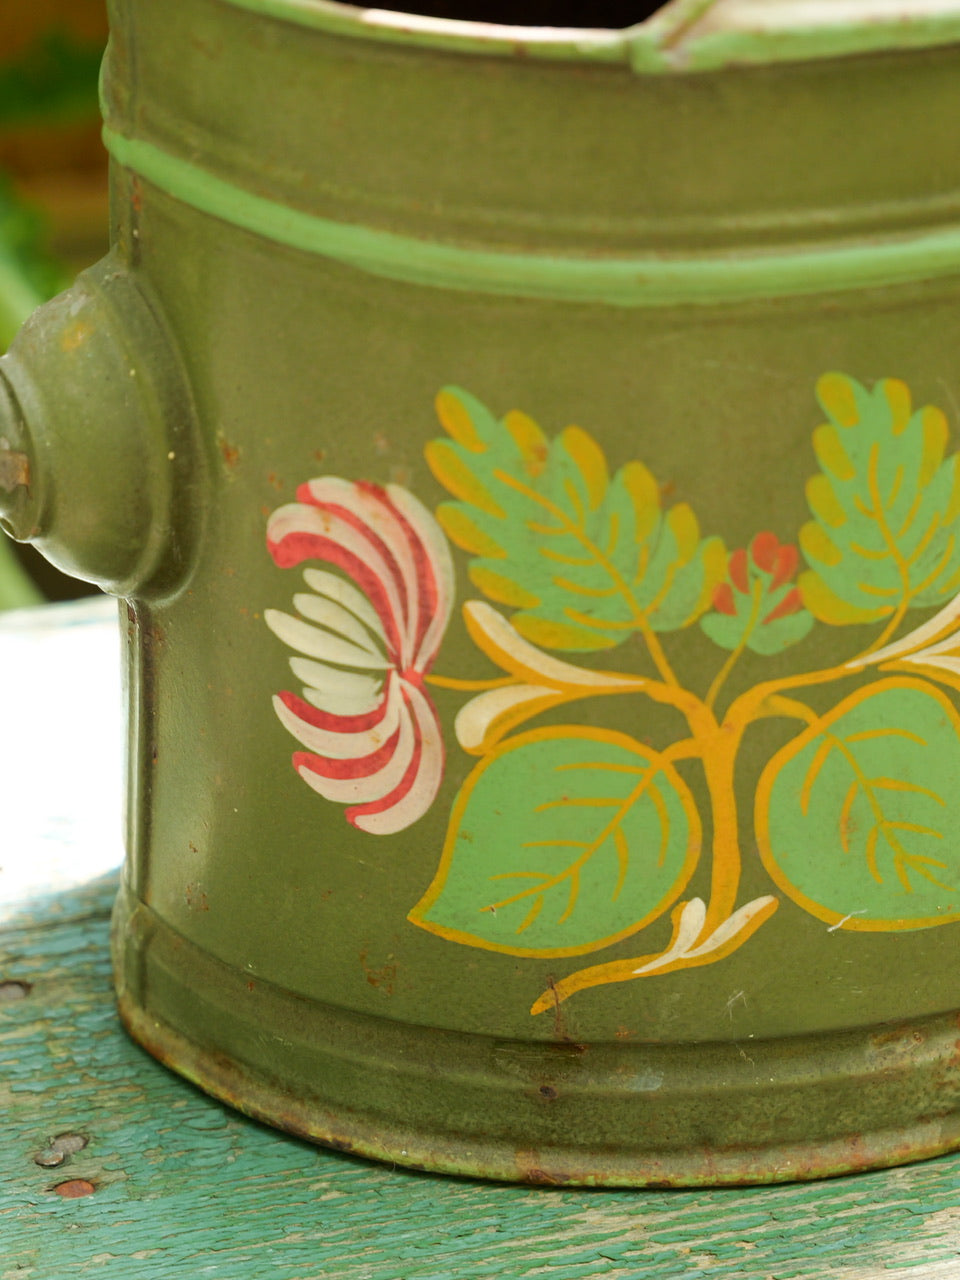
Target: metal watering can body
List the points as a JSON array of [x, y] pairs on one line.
[[529, 462]]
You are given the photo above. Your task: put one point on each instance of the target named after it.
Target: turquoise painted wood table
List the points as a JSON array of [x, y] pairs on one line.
[[112, 1167]]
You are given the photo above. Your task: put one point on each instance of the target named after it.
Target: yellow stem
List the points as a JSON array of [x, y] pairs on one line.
[[732, 660]]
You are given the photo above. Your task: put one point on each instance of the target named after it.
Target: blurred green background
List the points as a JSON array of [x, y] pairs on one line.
[[53, 196]]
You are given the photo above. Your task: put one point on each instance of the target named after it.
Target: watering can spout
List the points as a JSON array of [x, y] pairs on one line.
[[96, 436]]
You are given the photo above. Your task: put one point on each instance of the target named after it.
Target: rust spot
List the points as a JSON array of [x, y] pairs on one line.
[[76, 335], [559, 1022], [192, 847], [624, 1033], [381, 444], [535, 460], [384, 975], [74, 1189], [548, 1092], [10, 991], [251, 985], [136, 195], [319, 455], [542, 1178], [196, 898], [14, 468], [229, 452], [274, 480]]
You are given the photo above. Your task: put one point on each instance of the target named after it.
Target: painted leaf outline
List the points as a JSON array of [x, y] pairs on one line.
[[600, 840], [852, 815], [884, 535], [585, 558]]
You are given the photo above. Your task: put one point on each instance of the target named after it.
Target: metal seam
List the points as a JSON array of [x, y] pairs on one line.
[[647, 281]]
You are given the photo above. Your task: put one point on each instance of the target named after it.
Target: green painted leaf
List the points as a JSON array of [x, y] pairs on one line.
[[854, 817], [601, 838], [584, 557], [885, 504]]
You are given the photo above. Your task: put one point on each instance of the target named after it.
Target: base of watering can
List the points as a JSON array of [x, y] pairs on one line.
[[554, 1113]]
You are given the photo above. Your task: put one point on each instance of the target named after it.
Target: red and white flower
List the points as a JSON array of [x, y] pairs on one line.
[[366, 640]]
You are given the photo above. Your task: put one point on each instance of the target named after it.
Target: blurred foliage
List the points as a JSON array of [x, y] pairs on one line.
[[51, 82], [53, 79]]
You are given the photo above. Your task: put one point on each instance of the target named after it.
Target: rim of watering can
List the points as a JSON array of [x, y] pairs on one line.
[[682, 36]]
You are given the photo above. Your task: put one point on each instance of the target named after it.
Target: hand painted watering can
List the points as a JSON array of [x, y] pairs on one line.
[[529, 461]]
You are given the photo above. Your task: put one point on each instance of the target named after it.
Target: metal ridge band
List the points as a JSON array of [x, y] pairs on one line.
[[647, 281]]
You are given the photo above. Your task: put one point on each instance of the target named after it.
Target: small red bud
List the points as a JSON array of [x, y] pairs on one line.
[[791, 603], [763, 549], [723, 600], [785, 566], [737, 571]]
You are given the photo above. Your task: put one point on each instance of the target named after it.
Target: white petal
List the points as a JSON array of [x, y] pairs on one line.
[[371, 786], [334, 617], [322, 644], [334, 689], [334, 745], [946, 662], [691, 922], [345, 593], [420, 797], [301, 518], [941, 626], [509, 650], [440, 567], [476, 717], [378, 515], [731, 926]]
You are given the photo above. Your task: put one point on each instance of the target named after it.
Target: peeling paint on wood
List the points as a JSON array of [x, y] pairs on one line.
[[185, 1184]]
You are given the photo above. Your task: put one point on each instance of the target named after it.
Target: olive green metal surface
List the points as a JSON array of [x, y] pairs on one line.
[[339, 343]]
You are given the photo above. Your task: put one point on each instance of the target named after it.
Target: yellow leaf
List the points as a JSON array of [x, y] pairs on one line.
[[591, 463], [461, 530], [817, 546], [645, 495], [560, 635], [714, 556], [827, 607], [835, 392], [529, 439], [824, 502], [935, 433], [831, 454], [455, 418], [686, 529], [457, 477], [501, 588], [897, 396], [953, 509]]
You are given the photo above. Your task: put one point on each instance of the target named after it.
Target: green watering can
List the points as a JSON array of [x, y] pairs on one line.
[[528, 461]]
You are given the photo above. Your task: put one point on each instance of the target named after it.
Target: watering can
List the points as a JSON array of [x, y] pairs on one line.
[[527, 461]]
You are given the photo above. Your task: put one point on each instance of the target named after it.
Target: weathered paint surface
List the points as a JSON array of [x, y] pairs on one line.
[[182, 1186]]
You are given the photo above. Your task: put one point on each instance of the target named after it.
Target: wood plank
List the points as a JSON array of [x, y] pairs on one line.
[[185, 1188]]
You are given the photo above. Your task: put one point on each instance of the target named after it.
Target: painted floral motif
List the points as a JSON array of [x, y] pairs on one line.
[[852, 817], [367, 641]]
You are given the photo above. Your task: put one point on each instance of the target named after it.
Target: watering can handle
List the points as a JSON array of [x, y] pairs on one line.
[[97, 443]]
